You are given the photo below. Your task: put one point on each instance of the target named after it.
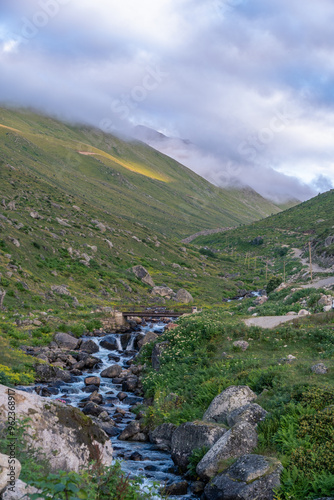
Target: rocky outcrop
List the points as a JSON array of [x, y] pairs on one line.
[[157, 352], [10, 470], [163, 291], [162, 436], [64, 434], [239, 440], [141, 273], [183, 296], [20, 491], [191, 435], [232, 398], [251, 477]]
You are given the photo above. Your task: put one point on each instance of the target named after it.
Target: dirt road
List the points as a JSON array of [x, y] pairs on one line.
[[269, 321]]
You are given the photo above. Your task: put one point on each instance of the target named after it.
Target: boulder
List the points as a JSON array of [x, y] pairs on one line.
[[20, 491], [60, 290], [66, 341], [325, 300], [162, 436], [319, 369], [239, 440], [146, 339], [183, 296], [93, 381], [9, 472], [48, 373], [68, 439], [232, 398], [130, 384], [163, 291], [251, 477], [304, 312], [176, 489], [96, 398], [241, 344], [109, 343], [191, 435], [251, 413], [92, 409], [141, 273], [112, 371], [157, 352], [89, 347], [131, 431]]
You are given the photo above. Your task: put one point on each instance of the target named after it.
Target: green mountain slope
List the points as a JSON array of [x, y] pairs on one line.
[[130, 179], [81, 208], [270, 242]]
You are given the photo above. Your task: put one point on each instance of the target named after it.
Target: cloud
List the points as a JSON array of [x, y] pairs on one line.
[[248, 82]]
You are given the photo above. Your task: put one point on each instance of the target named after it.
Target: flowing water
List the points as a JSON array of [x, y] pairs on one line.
[[154, 465]]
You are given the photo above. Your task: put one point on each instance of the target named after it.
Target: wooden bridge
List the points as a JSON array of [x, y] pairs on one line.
[[156, 313]]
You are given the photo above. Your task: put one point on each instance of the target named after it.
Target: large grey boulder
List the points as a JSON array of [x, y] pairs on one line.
[[252, 413], [89, 347], [191, 435], [112, 371], [183, 296], [232, 398], [142, 274], [161, 436], [239, 440], [251, 477], [68, 439], [66, 341], [48, 373]]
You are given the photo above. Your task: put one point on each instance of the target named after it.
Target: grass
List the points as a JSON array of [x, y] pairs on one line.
[[200, 361]]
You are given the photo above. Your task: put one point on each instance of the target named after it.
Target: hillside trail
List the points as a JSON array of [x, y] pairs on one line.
[[320, 283], [268, 321], [274, 321]]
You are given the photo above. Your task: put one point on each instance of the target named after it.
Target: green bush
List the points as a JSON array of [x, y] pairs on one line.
[[273, 283]]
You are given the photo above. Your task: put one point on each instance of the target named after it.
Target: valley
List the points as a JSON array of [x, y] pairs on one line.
[[92, 225]]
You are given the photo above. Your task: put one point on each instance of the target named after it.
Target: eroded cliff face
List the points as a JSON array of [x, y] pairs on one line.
[[67, 438]]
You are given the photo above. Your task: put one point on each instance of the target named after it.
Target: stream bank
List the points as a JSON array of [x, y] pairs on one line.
[[110, 400]]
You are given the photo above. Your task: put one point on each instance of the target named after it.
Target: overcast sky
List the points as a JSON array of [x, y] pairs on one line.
[[248, 82]]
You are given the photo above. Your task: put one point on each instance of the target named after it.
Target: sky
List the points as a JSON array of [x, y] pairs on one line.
[[247, 83]]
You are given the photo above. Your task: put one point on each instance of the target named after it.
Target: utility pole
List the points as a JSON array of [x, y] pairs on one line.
[[267, 271], [284, 271], [310, 252]]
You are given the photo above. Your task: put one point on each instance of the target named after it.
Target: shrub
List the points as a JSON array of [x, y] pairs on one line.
[[273, 283]]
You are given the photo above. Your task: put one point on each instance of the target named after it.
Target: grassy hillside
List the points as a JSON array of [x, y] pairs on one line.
[[129, 179], [266, 247]]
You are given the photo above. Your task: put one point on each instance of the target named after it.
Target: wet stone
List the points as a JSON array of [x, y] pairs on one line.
[[90, 388], [122, 395], [137, 457]]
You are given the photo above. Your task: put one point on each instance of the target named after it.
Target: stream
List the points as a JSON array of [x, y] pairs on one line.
[[139, 459]]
